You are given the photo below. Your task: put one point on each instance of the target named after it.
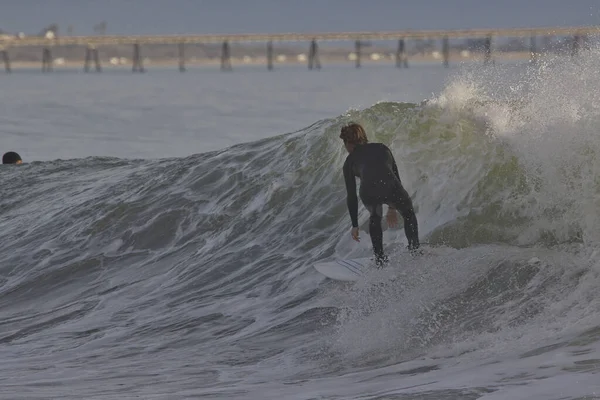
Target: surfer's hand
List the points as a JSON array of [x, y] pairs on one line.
[[392, 218], [354, 234]]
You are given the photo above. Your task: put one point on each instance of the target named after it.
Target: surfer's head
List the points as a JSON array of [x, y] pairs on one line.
[[11, 158], [352, 135]]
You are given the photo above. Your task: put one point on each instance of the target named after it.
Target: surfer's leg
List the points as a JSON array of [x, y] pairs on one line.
[[376, 232], [402, 202]]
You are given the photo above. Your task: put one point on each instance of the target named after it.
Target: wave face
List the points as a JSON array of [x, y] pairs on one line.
[[193, 276]]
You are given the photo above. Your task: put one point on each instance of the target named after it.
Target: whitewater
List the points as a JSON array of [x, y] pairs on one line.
[[156, 257]]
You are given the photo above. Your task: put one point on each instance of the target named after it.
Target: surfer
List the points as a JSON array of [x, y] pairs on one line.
[[11, 158], [380, 184]]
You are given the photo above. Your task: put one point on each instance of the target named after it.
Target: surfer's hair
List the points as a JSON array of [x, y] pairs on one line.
[[353, 134]]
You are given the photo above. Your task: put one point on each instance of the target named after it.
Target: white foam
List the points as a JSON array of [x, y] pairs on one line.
[[549, 117]]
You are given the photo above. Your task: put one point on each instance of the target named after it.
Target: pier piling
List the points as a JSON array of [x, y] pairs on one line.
[[487, 51], [88, 57], [313, 56], [270, 55], [6, 60], [97, 60], [401, 58], [138, 66], [46, 60], [446, 51], [91, 54], [181, 53], [357, 46], [533, 53], [575, 45], [225, 57]]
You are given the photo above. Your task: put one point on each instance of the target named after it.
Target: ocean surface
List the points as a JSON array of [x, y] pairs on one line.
[[158, 241]]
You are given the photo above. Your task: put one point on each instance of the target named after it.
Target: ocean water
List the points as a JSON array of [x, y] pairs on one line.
[[163, 113], [158, 241]]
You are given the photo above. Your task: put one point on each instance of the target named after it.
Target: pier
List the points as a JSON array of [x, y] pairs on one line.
[[94, 44]]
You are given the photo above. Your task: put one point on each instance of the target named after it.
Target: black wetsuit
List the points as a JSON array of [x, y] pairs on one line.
[[380, 184]]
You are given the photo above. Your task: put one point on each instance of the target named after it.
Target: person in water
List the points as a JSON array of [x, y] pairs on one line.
[[11, 158], [380, 184]]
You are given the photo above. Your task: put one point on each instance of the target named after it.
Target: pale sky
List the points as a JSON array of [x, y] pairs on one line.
[[138, 17]]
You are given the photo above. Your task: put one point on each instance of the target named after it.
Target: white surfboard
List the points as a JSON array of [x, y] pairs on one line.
[[344, 270]]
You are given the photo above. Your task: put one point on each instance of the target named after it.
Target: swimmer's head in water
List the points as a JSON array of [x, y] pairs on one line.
[[11, 158]]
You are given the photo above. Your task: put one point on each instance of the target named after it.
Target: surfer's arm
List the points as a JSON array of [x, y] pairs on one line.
[[392, 208], [395, 168], [352, 199]]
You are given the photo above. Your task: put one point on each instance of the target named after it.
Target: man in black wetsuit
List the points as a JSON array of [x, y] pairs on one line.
[[380, 184]]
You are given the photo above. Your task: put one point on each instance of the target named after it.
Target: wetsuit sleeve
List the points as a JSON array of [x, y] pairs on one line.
[[394, 166], [352, 199], [395, 170]]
